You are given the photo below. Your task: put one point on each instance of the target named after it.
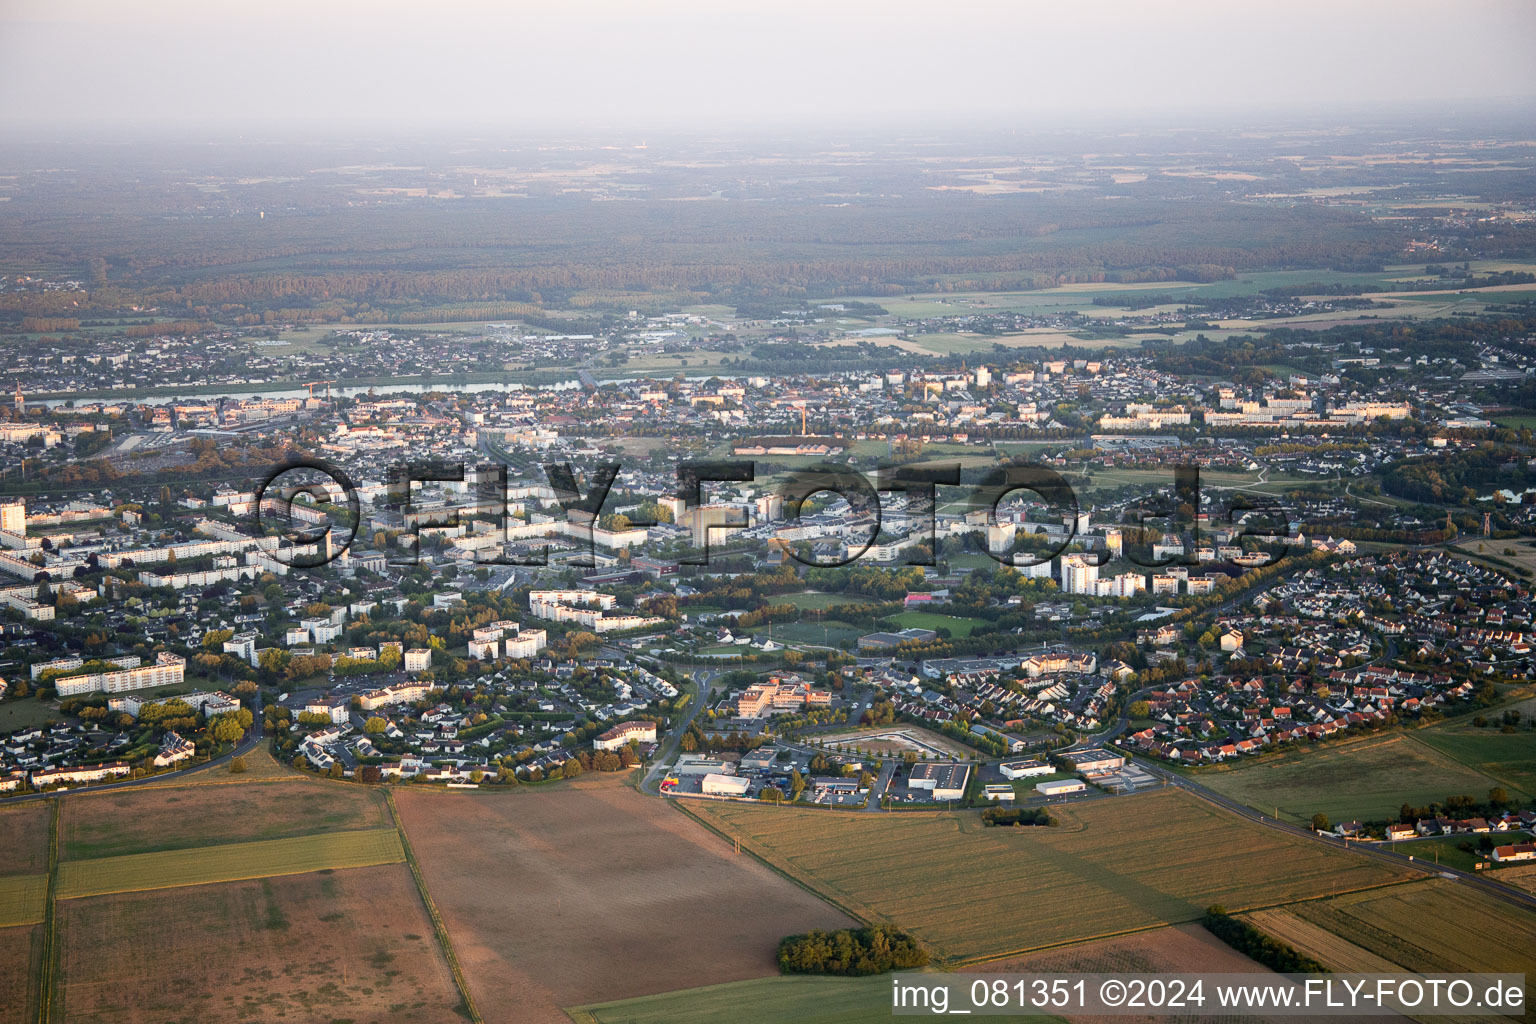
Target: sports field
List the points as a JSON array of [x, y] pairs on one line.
[[353, 945], [956, 625], [1112, 866], [165, 869], [592, 893], [111, 824], [816, 601], [1367, 779]]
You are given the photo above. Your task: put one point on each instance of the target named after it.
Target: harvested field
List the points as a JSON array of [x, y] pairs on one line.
[[260, 766], [351, 945], [1186, 947], [20, 955], [113, 824], [170, 868], [22, 899], [592, 893], [1318, 943], [1432, 925], [24, 839], [974, 892]]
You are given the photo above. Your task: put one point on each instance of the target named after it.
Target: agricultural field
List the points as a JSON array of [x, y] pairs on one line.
[[165, 869], [1184, 947], [260, 766], [1471, 931], [1366, 780], [20, 953], [22, 899], [975, 893], [1284, 924], [783, 1000], [1508, 757], [24, 838], [351, 945], [592, 893], [956, 625], [139, 821]]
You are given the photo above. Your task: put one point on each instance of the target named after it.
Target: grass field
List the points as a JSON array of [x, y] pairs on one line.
[[815, 601], [20, 955], [956, 625], [228, 863], [592, 893], [142, 821], [353, 945], [24, 839], [973, 892], [1367, 780], [26, 713], [1508, 757], [22, 899], [828, 633]]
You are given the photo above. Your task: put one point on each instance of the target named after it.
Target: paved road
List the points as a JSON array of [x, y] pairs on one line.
[[667, 751]]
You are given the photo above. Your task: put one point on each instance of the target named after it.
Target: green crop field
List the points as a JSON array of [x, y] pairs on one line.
[[164, 869], [22, 899], [1508, 757], [930, 620], [1366, 780], [972, 892], [785, 1000]]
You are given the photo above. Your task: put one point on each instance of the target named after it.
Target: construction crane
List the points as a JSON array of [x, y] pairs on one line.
[[311, 386]]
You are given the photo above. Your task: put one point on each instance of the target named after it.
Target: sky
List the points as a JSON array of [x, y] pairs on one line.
[[109, 67]]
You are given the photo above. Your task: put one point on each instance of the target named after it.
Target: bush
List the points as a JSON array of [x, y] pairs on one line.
[[237, 766], [851, 952], [1246, 939]]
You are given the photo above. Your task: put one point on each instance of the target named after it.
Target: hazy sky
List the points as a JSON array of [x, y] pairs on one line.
[[341, 65]]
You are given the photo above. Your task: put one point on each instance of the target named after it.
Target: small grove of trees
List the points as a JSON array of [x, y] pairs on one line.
[[1270, 952], [851, 952], [993, 816]]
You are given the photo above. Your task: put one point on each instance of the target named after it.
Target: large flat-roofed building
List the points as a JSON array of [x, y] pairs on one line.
[[1095, 760], [725, 785], [1024, 769], [1061, 787], [944, 781]]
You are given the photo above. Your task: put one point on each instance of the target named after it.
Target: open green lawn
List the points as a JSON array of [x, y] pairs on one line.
[[26, 713], [956, 625], [816, 601], [1366, 780], [1508, 757], [972, 892], [136, 872]]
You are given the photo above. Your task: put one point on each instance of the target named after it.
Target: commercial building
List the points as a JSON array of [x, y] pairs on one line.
[[1061, 787], [1024, 769], [943, 781], [1095, 760], [725, 785]]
